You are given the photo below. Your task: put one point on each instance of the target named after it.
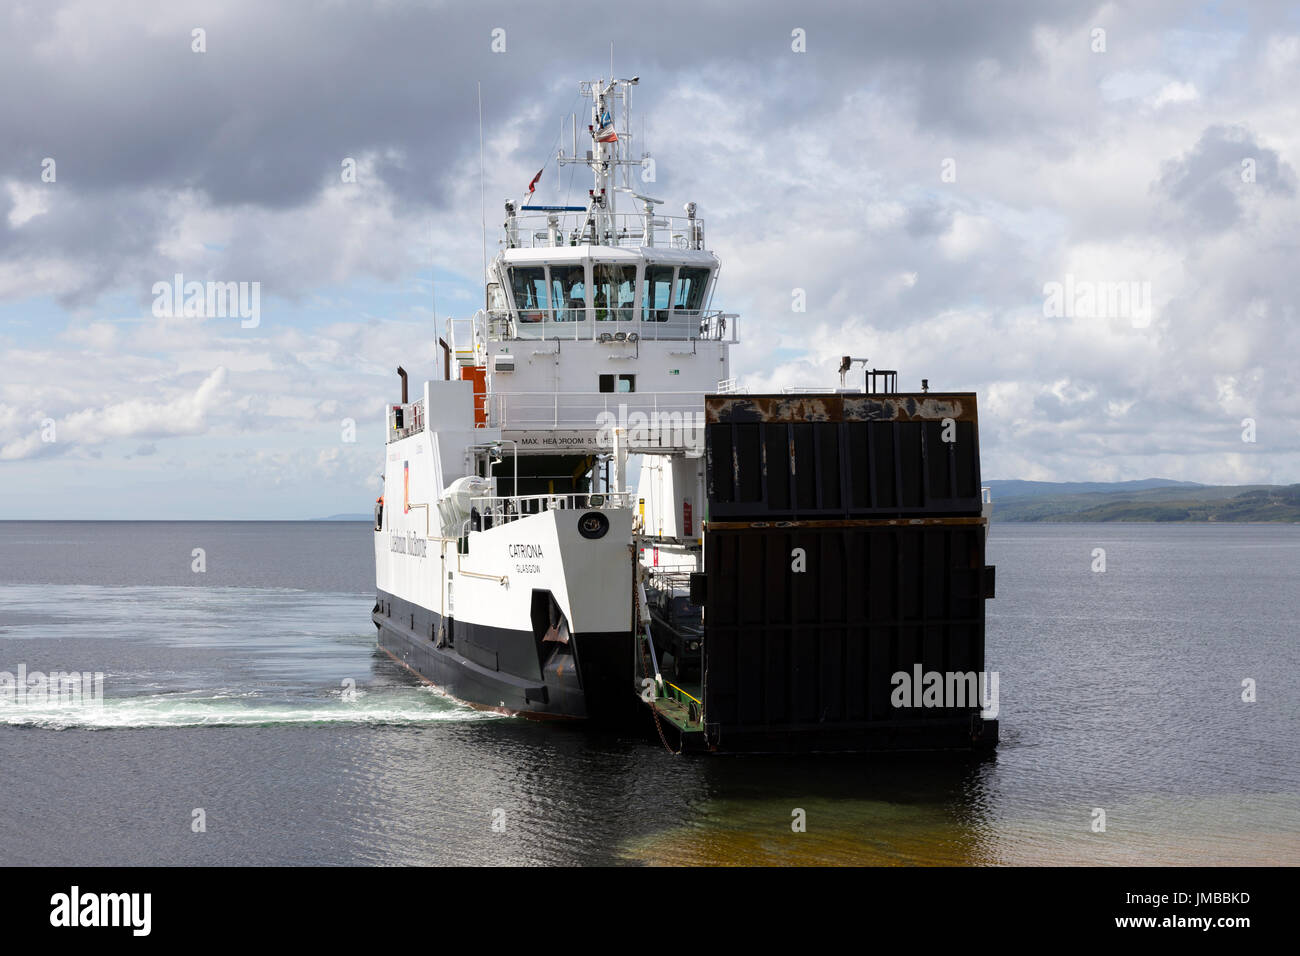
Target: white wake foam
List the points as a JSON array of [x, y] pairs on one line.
[[403, 708]]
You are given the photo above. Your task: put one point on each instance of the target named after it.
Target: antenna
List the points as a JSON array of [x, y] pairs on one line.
[[627, 131], [482, 195]]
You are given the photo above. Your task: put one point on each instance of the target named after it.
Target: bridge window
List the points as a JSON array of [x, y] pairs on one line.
[[529, 288], [614, 291], [657, 294], [691, 284], [618, 383], [569, 292]]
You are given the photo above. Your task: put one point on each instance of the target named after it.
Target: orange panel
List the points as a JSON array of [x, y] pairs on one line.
[[472, 373]]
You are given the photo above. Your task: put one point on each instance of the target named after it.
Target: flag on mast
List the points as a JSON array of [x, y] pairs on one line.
[[532, 187], [605, 133]]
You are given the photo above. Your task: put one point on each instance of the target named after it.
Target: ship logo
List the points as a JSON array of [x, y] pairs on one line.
[[593, 525]]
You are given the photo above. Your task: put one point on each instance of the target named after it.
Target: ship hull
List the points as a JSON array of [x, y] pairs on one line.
[[495, 668]]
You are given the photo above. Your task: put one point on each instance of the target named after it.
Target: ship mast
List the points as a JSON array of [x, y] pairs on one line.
[[609, 151]]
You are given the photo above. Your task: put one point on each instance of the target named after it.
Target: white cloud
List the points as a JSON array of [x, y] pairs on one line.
[[185, 414], [29, 201], [820, 173], [1174, 92]]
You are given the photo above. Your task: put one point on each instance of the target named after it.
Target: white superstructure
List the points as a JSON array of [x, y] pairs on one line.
[[505, 540]]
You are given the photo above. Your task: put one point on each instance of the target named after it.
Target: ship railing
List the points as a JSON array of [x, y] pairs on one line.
[[659, 414], [671, 578], [821, 390], [412, 420], [673, 692], [491, 510], [574, 227], [465, 337], [599, 324]]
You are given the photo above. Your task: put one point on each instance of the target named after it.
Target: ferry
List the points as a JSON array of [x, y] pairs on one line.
[[585, 517]]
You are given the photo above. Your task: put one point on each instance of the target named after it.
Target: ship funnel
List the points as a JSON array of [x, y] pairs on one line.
[[402, 372]]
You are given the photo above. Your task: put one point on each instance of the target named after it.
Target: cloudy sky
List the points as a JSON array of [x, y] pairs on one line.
[[947, 182]]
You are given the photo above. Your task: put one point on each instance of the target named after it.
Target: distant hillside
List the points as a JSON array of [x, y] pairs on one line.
[[1167, 502], [1014, 488]]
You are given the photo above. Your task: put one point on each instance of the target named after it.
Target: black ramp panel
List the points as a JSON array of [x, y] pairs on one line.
[[827, 456], [789, 651], [844, 543]]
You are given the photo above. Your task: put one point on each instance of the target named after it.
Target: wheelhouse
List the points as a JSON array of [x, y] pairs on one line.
[[585, 292]]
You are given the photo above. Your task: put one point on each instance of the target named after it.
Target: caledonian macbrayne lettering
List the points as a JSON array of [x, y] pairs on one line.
[[409, 543]]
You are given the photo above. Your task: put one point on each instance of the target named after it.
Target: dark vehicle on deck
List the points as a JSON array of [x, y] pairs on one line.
[[676, 625]]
